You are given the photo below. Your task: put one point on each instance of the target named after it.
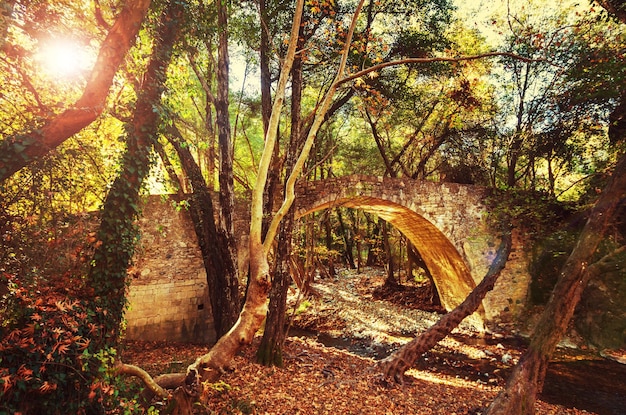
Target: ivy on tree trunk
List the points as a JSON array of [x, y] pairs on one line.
[[118, 233]]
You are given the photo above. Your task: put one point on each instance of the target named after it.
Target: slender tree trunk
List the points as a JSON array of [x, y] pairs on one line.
[[118, 233], [347, 240], [230, 290], [394, 366], [526, 381], [270, 349], [19, 151], [415, 257], [391, 278], [175, 180], [264, 58]]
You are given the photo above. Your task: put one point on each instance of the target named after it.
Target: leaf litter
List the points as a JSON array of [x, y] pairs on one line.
[[330, 356]]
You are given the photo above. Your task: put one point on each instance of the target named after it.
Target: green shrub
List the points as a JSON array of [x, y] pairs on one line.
[[49, 359]]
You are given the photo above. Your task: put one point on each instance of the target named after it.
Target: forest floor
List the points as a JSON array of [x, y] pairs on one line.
[[350, 322]]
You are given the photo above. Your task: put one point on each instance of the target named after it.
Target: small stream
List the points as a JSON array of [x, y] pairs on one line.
[[574, 380]]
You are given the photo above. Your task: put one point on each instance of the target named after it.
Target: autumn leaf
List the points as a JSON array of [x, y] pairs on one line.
[[63, 348], [6, 382], [47, 387], [25, 372]]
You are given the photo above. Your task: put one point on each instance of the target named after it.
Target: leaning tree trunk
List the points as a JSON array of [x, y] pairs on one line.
[[220, 266], [526, 381], [394, 366], [20, 150], [118, 234]]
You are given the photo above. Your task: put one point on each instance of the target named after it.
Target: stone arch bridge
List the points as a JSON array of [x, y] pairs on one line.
[[447, 223]]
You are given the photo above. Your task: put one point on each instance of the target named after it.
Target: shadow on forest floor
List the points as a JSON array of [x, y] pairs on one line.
[[339, 333], [576, 378]]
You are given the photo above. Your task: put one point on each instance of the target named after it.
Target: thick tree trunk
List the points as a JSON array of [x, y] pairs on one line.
[[118, 233], [270, 350], [211, 365], [20, 150], [526, 381], [394, 366]]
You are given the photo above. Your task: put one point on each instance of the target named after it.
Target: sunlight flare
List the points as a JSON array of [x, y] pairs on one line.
[[63, 58]]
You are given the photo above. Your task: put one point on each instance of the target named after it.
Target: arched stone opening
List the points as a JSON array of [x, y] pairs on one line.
[[451, 274]]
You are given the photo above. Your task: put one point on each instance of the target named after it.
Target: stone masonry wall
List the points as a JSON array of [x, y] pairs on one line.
[[168, 293]]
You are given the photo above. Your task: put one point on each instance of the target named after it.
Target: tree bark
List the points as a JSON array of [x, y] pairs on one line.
[[20, 150], [210, 365], [270, 349], [526, 381], [230, 291], [255, 308], [118, 234], [220, 266], [394, 366], [264, 63]]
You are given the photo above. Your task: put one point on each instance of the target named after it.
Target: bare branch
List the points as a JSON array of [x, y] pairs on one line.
[[435, 59], [132, 370]]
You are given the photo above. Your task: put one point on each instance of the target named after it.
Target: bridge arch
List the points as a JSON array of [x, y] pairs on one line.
[[445, 221], [450, 273]]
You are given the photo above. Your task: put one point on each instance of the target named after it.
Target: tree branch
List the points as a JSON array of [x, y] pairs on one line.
[[19, 150], [406, 61], [132, 370], [315, 126]]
